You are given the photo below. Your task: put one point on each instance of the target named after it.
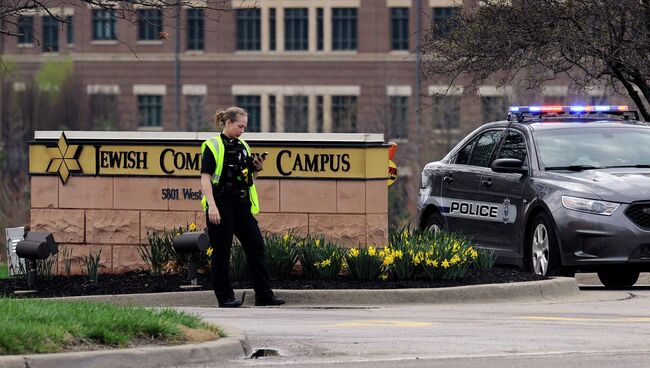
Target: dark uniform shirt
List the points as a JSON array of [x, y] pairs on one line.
[[232, 182]]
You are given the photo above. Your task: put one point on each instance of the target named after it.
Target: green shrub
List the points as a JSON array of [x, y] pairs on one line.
[[90, 265], [320, 258], [485, 259], [399, 255], [281, 254], [364, 263], [239, 268]]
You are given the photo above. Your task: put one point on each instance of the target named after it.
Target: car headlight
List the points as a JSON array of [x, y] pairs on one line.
[[589, 205]]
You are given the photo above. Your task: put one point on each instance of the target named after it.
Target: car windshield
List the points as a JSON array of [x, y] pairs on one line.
[[593, 148]]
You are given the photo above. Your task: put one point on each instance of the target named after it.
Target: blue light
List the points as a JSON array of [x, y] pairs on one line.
[[535, 108], [514, 108], [577, 108], [601, 108]]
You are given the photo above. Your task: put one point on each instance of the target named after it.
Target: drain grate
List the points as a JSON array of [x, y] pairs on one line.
[[260, 353]]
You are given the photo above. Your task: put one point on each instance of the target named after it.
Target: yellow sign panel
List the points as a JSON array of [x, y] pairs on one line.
[[64, 158]]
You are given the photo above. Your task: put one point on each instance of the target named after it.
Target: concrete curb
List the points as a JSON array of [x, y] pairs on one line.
[[530, 290], [234, 345]]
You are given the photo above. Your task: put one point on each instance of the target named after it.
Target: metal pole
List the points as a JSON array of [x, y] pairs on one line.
[[418, 61], [177, 69]]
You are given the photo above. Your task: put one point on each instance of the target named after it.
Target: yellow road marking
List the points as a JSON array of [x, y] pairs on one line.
[[379, 323]]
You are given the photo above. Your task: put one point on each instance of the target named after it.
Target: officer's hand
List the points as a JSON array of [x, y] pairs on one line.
[[214, 215], [259, 162]]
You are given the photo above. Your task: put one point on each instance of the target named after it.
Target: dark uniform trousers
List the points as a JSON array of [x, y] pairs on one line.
[[236, 218]]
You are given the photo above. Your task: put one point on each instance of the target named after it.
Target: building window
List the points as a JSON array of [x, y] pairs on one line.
[[319, 114], [272, 110], [248, 29], [103, 112], [296, 29], [344, 29], [50, 34], [399, 28], [104, 25], [443, 20], [195, 105], [397, 127], [494, 108], [150, 110], [69, 25], [195, 29], [344, 114], [252, 106], [150, 24], [319, 29], [272, 29], [25, 29], [296, 114]]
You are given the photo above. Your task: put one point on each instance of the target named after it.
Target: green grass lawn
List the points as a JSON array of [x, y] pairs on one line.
[[41, 326], [4, 271]]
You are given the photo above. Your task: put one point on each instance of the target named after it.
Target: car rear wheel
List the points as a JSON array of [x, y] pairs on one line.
[[434, 223], [542, 251], [618, 277]]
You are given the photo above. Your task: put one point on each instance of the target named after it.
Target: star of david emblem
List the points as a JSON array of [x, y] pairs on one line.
[[64, 159]]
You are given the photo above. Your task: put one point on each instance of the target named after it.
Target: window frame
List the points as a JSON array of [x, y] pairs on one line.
[[104, 29], [253, 106], [25, 28], [148, 105], [150, 24], [349, 128], [403, 105], [248, 29], [443, 23], [399, 40], [195, 30], [345, 34], [296, 29], [50, 27]]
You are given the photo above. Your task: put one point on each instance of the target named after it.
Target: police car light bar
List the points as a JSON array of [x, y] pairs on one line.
[[568, 109]]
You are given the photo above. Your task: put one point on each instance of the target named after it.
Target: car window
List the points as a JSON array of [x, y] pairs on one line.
[[462, 157], [514, 146], [484, 147]]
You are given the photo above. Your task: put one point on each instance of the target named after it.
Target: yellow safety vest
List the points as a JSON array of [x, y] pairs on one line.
[[218, 151]]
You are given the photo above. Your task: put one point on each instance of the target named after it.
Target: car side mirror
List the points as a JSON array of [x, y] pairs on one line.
[[509, 165]]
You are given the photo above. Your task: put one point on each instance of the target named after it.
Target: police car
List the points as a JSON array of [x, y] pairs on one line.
[[556, 189]]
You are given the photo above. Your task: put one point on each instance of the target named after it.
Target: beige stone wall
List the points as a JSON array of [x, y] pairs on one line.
[[115, 214]]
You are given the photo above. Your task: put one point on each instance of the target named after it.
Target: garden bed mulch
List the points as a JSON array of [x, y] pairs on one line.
[[143, 282]]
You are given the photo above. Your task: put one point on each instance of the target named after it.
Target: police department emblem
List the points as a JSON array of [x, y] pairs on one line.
[[506, 210]]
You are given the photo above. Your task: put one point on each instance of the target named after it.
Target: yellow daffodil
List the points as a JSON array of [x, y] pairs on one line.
[[388, 260], [383, 277], [285, 237], [326, 262], [398, 254], [445, 264], [372, 251], [192, 227], [354, 252], [317, 242], [455, 259], [209, 251]]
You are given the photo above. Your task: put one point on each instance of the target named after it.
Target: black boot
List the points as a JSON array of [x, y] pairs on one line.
[[268, 300], [229, 303]]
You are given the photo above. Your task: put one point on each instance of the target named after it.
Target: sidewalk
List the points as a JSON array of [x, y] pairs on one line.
[[236, 345]]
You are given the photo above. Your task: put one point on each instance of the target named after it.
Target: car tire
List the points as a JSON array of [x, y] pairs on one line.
[[542, 251], [434, 223], [618, 277]]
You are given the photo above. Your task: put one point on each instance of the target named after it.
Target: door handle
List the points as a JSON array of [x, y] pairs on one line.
[[447, 179], [486, 183]]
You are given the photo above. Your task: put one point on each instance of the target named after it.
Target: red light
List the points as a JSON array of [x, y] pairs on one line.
[[553, 108]]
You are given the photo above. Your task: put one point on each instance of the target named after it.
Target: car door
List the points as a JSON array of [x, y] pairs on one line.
[[460, 189], [505, 190]]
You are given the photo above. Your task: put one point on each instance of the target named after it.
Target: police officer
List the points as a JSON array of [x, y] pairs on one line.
[[230, 201]]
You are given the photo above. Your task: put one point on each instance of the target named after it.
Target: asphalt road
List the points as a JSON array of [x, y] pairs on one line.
[[599, 328]]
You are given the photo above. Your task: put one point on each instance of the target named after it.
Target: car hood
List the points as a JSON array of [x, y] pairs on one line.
[[615, 184]]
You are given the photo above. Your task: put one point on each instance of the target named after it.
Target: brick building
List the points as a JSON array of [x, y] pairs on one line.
[[295, 65]]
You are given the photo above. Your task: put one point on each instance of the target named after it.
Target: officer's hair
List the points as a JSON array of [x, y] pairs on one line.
[[232, 113]]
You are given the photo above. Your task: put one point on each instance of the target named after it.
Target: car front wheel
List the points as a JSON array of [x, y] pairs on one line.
[[542, 249], [434, 223], [617, 277]]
